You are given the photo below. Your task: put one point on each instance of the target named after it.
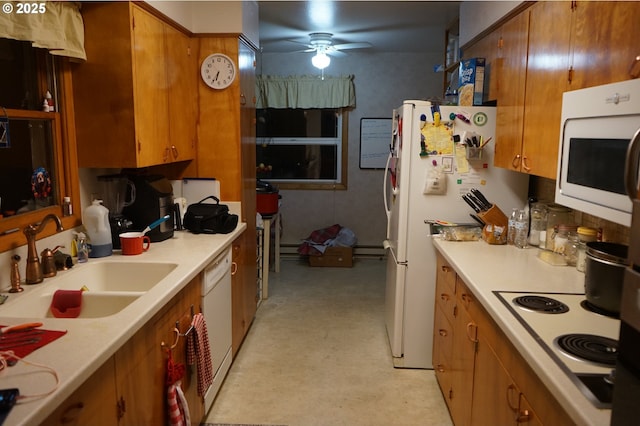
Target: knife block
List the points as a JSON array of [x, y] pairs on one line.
[[494, 216]]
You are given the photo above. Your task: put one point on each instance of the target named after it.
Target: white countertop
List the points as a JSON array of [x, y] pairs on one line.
[[88, 343], [486, 268]]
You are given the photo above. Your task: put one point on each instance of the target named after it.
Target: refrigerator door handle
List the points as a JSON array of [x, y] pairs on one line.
[[387, 246], [387, 210]]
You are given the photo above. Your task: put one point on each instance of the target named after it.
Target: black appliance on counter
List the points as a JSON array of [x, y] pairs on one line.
[[626, 390], [153, 200]]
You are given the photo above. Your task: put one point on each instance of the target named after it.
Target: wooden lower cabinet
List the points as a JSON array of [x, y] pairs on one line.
[[130, 389], [483, 378]]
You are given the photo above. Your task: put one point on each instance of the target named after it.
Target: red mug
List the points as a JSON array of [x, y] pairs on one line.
[[134, 243]]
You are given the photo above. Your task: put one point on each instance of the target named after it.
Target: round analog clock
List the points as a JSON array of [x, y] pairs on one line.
[[218, 71]]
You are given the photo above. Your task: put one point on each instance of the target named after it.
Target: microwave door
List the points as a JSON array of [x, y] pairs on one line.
[[631, 179]]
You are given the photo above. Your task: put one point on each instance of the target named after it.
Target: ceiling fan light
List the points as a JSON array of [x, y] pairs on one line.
[[320, 60]]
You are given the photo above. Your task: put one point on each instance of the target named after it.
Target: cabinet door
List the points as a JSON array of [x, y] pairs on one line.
[[496, 398], [141, 363], [150, 88], [511, 92], [182, 82], [547, 78], [605, 41], [93, 403], [462, 360], [443, 351]]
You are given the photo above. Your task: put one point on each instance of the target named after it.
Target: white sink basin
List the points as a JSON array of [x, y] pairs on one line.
[[112, 286], [112, 276], [94, 305]]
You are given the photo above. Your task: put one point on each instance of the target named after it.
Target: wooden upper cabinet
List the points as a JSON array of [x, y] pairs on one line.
[[605, 42], [135, 96], [547, 79], [511, 92]]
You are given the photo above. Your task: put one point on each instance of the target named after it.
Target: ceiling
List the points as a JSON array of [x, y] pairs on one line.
[[390, 26]]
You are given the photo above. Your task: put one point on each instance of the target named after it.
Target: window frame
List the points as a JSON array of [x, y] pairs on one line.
[[63, 128], [319, 184]]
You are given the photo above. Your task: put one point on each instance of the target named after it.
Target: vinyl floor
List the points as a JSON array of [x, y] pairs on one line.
[[317, 354]]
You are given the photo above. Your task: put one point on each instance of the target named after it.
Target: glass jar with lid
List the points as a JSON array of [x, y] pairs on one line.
[[585, 235], [557, 215], [561, 235], [571, 248], [538, 218]]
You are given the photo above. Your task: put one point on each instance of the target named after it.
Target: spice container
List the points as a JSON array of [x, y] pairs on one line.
[[557, 215], [538, 217], [571, 249], [585, 235], [561, 235]]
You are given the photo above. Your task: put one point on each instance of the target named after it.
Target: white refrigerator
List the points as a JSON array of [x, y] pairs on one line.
[[420, 148]]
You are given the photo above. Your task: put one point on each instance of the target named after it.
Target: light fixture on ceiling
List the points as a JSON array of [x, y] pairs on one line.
[[320, 60]]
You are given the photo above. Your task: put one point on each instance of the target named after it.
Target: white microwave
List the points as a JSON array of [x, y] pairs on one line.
[[597, 126]]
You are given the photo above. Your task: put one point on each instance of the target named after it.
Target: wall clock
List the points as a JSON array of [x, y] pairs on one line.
[[218, 71]]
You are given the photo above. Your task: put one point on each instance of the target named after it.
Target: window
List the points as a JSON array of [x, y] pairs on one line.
[[36, 150], [301, 148]]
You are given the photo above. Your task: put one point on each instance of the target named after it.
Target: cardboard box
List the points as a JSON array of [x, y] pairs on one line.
[[471, 79], [334, 256]]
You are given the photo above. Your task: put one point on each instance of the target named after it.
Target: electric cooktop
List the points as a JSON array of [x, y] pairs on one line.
[[581, 341]]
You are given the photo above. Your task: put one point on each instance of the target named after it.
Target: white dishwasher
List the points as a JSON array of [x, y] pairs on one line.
[[216, 308]]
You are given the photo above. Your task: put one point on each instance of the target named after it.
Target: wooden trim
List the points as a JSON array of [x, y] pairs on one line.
[[63, 129]]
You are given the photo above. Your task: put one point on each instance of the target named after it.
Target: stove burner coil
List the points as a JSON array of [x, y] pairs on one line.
[[590, 347], [593, 308], [542, 304]]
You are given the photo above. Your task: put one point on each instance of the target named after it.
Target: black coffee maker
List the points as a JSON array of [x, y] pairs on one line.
[[153, 200], [117, 193]]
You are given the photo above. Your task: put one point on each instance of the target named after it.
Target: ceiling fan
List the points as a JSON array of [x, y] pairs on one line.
[[322, 44]]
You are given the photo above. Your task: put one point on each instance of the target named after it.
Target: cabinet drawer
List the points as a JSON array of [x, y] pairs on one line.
[[445, 274], [443, 337]]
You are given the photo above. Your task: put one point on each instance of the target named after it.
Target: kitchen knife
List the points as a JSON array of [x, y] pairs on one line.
[[477, 202], [473, 206], [477, 219], [20, 327], [480, 196]]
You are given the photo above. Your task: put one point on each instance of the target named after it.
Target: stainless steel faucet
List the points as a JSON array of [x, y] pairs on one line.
[[34, 268]]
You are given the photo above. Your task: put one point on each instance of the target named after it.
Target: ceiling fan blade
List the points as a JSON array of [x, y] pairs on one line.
[[358, 45], [336, 53]]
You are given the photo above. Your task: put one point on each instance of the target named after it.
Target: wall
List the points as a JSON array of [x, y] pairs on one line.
[[476, 16], [382, 82]]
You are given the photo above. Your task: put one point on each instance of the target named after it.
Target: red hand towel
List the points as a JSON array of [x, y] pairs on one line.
[[199, 353]]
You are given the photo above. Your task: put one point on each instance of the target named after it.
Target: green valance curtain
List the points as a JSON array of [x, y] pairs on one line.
[[305, 92], [57, 26]]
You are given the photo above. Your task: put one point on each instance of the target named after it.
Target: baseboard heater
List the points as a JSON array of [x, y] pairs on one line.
[[361, 251]]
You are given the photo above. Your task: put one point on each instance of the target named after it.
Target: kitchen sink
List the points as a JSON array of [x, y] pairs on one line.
[[94, 305], [112, 276], [110, 287]]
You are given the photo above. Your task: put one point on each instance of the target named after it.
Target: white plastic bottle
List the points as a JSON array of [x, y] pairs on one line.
[[95, 219]]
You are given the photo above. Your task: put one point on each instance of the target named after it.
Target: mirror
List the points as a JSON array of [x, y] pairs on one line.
[[38, 160]]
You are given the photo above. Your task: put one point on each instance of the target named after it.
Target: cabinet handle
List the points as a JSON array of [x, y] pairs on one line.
[[166, 155], [445, 268], [466, 299], [234, 268], [174, 151], [71, 412], [122, 408], [524, 417], [634, 69], [471, 327], [440, 368], [442, 332], [524, 164], [516, 162], [444, 297], [511, 390], [243, 99]]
